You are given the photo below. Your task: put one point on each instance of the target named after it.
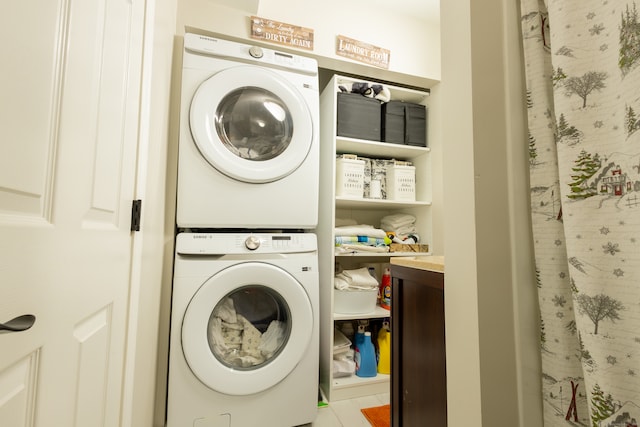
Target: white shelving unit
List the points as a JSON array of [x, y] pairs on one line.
[[364, 211]]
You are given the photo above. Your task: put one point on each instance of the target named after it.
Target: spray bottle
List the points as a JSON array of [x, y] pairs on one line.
[[384, 348]]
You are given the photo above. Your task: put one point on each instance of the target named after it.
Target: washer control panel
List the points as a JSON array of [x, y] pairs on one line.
[[244, 243]]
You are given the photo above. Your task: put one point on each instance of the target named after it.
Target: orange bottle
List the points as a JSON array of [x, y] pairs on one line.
[[385, 290]]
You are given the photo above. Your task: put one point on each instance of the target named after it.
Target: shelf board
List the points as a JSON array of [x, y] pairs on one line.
[[368, 148], [383, 254], [378, 313], [354, 380], [381, 204], [354, 387]]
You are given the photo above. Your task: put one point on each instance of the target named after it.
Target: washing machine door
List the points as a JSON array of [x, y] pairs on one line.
[[246, 328], [251, 124]]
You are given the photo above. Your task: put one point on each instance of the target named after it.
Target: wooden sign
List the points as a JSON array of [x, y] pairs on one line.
[[362, 52], [281, 33]]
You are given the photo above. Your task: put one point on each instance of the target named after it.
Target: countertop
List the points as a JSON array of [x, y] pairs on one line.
[[430, 263]]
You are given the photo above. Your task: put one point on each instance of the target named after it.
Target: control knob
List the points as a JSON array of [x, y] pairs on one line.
[[252, 243], [255, 52]]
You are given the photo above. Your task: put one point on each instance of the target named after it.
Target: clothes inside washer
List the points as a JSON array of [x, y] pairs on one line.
[[240, 344], [226, 311], [272, 339]]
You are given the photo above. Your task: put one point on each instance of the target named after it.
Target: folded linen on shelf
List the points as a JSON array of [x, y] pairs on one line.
[[341, 222], [398, 220], [364, 240], [360, 230], [350, 248], [401, 225], [357, 279], [360, 237], [403, 233]]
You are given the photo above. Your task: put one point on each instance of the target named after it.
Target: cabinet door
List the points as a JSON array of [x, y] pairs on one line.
[[418, 380]]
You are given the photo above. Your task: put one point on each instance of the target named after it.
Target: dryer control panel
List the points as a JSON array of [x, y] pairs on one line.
[[215, 47], [244, 243]]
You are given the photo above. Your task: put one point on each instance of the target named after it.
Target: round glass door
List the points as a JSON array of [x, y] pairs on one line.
[[246, 328], [254, 124], [251, 124], [249, 327]]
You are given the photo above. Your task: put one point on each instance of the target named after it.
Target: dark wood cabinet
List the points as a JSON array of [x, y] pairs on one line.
[[418, 357]]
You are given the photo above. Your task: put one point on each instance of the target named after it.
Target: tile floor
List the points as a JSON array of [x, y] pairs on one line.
[[346, 413]]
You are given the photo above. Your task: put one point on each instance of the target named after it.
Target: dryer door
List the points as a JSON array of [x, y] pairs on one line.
[[246, 328], [251, 124]]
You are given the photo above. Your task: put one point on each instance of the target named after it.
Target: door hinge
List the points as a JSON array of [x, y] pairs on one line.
[[136, 211]]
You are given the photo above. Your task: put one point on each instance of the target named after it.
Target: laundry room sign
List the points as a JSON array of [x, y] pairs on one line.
[[281, 33], [362, 52]]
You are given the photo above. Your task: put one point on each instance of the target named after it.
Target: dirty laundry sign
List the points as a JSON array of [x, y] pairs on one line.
[[362, 52], [281, 33]]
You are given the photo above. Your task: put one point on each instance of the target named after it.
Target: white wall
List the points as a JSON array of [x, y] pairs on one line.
[[414, 44], [492, 352], [461, 284]]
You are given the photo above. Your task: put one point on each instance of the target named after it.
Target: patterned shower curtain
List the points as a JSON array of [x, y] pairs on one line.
[[582, 62]]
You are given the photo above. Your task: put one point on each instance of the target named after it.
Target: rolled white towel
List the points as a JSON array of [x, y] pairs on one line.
[[360, 278], [397, 220], [340, 282], [405, 231]]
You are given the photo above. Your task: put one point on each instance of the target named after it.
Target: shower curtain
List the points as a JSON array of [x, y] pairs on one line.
[[582, 62]]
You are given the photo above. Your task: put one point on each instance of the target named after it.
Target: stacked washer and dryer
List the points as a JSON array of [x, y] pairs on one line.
[[245, 316]]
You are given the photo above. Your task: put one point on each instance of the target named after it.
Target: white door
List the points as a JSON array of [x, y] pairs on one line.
[[69, 92]]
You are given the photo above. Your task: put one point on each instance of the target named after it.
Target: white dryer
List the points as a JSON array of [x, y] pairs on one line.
[[248, 153], [244, 330]]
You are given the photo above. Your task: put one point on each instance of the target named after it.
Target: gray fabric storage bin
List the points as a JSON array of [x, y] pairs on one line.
[[393, 121], [404, 123], [416, 125], [358, 116]]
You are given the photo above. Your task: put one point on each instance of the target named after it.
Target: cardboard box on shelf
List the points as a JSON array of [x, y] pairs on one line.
[[402, 247]]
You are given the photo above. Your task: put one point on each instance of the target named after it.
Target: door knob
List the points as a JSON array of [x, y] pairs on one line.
[[20, 323]]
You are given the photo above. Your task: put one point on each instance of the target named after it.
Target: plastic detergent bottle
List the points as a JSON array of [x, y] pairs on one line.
[[365, 358], [384, 346], [385, 290]]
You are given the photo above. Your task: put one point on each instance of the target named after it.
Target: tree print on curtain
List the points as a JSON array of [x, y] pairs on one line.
[[582, 62]]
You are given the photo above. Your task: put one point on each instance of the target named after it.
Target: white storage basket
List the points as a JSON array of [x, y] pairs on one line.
[[401, 182], [354, 301], [349, 177]]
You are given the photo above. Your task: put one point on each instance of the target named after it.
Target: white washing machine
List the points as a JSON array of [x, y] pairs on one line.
[[244, 330], [248, 148]]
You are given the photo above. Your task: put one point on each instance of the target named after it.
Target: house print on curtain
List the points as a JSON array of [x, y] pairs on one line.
[[582, 61]]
